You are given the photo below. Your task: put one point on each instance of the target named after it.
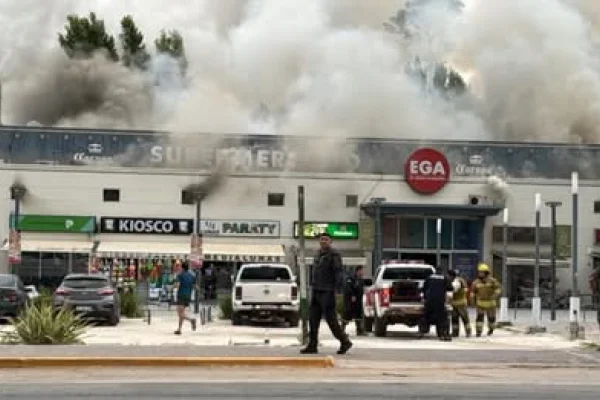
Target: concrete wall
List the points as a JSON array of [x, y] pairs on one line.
[[78, 191]]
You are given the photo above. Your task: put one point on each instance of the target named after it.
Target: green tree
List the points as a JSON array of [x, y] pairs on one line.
[[84, 36], [171, 43], [132, 43]]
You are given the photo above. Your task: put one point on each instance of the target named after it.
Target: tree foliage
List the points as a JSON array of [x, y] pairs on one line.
[[438, 74], [85, 36], [171, 43], [132, 43]]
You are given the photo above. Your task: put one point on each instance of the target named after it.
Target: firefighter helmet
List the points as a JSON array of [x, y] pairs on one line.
[[483, 268]]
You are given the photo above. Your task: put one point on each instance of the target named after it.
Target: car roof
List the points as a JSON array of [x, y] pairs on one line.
[[93, 276], [409, 265], [265, 265]]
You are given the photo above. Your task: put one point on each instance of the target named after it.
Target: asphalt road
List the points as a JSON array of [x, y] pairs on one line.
[[565, 357], [286, 391]]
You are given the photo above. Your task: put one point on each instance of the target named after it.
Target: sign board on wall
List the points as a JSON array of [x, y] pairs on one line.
[[154, 226], [427, 171], [55, 223], [14, 247], [337, 230], [240, 228]]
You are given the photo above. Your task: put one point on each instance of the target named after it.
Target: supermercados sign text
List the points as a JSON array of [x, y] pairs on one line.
[[240, 158]]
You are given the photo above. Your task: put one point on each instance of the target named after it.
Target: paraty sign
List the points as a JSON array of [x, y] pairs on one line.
[[427, 171], [156, 226], [241, 228]]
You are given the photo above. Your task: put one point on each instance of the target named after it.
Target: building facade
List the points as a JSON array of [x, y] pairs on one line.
[[93, 197]]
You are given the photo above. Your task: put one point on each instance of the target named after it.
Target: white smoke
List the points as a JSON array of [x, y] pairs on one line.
[[316, 67]]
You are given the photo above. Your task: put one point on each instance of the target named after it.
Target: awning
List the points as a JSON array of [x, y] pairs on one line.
[[525, 255], [211, 251], [54, 246]]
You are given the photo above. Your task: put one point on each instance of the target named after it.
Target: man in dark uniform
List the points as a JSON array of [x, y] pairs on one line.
[[436, 290], [326, 279], [353, 305]]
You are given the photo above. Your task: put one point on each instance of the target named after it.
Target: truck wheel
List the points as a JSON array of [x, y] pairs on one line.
[[380, 327], [294, 321], [368, 322], [236, 319]]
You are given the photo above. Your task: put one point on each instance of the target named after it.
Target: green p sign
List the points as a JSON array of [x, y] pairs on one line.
[[55, 223], [337, 230]]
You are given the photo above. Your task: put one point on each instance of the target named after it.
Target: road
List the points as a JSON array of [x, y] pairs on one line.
[[286, 391]]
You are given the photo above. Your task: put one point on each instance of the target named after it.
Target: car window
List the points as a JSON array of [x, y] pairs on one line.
[[406, 273], [265, 273], [7, 280], [85, 283]]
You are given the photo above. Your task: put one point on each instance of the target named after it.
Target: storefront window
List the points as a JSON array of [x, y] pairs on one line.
[[29, 269], [389, 230], [54, 268], [465, 264], [466, 234], [446, 234], [412, 233], [79, 263]]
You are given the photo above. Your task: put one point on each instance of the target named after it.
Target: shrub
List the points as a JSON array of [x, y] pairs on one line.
[[130, 306], [44, 298], [43, 325], [225, 307]]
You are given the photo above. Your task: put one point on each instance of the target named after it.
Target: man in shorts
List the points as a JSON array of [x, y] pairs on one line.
[[185, 285]]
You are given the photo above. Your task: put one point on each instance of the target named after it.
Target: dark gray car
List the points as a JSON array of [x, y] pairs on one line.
[[13, 296], [90, 295]]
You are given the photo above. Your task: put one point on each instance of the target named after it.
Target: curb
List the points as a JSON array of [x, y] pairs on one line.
[[298, 362]]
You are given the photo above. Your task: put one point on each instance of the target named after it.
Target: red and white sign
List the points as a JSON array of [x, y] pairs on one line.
[[427, 171], [196, 256], [14, 247]]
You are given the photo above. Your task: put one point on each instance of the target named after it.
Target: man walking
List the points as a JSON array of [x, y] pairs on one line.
[[326, 278], [185, 285], [485, 290], [459, 304], [353, 293]]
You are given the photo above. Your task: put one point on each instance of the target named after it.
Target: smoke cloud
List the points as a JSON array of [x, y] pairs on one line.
[[322, 68]]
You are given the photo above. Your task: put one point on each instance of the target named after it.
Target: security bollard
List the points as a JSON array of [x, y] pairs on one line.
[[209, 314], [203, 316]]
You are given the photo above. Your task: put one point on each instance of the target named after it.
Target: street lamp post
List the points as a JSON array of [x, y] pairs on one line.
[[378, 254], [536, 303], [574, 301], [438, 231], [553, 206], [302, 267], [504, 321], [199, 239]]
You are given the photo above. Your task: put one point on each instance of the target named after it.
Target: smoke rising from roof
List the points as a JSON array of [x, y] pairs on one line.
[[317, 67]]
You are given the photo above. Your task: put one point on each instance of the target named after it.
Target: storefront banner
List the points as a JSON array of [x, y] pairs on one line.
[[155, 226], [55, 223], [196, 251], [241, 228], [270, 153], [14, 247], [337, 230]]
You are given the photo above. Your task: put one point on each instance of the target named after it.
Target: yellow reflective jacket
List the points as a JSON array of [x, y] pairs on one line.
[[459, 297], [485, 292]]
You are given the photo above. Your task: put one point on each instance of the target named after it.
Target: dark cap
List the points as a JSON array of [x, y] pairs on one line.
[[325, 234]]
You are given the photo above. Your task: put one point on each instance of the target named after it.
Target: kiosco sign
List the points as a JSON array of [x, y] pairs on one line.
[[157, 226], [426, 171]]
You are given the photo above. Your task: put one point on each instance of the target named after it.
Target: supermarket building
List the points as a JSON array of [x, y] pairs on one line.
[[92, 195]]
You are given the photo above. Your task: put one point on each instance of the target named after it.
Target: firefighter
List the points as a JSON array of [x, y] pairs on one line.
[[459, 304], [484, 291], [436, 290], [353, 307]]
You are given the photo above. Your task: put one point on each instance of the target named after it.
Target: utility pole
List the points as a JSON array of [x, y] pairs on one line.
[[574, 301], [438, 230], [198, 238], [553, 205], [504, 320], [302, 267]]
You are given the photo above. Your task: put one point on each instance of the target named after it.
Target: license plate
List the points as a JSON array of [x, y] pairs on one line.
[[83, 308]]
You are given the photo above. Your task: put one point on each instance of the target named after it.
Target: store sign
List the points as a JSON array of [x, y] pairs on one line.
[[156, 226], [427, 171], [337, 230], [196, 251], [241, 228], [250, 258], [93, 155], [478, 166], [55, 223], [14, 247]]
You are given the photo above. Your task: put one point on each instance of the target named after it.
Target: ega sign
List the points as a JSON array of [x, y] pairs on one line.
[[427, 171]]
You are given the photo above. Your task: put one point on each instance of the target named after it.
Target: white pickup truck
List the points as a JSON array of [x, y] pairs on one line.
[[265, 292], [396, 296]]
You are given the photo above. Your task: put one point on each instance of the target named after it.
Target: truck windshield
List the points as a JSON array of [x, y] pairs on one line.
[[398, 273], [264, 273]]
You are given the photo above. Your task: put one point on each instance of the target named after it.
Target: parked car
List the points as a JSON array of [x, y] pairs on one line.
[[265, 292], [90, 295], [13, 296], [32, 292]]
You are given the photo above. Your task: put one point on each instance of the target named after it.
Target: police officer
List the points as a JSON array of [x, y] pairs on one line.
[[484, 291], [326, 279], [459, 304], [436, 290], [353, 305]]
